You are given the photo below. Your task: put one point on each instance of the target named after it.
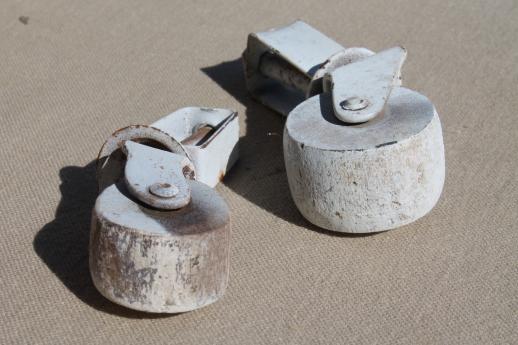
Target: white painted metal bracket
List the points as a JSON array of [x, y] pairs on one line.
[[284, 66], [361, 89], [156, 177], [208, 137]]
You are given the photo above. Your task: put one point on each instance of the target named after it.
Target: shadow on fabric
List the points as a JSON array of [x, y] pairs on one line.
[[259, 176], [63, 243]]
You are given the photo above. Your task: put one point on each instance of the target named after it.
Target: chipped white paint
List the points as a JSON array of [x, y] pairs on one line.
[[111, 160], [212, 156], [370, 177], [160, 240], [218, 152], [156, 261], [139, 132], [148, 171]]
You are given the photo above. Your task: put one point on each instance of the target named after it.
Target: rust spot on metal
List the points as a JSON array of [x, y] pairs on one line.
[[188, 172], [216, 130], [200, 135], [274, 67], [143, 134], [221, 175]]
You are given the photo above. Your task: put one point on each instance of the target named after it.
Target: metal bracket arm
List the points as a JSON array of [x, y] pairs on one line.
[[361, 89]]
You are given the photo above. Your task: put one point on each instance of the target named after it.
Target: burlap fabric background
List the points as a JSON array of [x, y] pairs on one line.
[[72, 72]]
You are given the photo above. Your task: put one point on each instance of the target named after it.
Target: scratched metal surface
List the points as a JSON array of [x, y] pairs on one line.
[[73, 72]]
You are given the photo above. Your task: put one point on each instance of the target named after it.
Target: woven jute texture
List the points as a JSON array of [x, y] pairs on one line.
[[71, 72]]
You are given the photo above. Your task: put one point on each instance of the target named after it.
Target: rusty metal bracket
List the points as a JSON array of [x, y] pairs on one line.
[[209, 137], [156, 177], [206, 136]]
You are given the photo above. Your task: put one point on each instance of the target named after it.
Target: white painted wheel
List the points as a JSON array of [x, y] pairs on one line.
[[367, 177], [158, 261]]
